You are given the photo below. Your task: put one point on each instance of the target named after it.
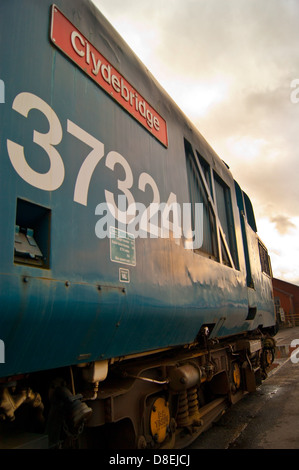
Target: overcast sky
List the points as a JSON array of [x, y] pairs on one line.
[[230, 66]]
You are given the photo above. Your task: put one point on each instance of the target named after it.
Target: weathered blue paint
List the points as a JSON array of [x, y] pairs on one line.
[[77, 310]]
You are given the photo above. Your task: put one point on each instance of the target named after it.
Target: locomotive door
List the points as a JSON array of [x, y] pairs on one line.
[[248, 225]]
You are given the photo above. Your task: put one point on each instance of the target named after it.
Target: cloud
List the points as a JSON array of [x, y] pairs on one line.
[[283, 224], [229, 66], [281, 236], [256, 133]]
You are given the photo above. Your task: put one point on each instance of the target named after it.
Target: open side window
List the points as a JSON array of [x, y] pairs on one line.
[[199, 193], [205, 187]]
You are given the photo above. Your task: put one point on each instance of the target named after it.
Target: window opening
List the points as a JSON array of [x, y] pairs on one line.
[[265, 259], [224, 253], [198, 190], [249, 212], [240, 202], [225, 214], [206, 172]]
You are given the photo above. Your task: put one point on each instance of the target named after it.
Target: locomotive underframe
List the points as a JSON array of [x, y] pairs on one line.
[[164, 400]]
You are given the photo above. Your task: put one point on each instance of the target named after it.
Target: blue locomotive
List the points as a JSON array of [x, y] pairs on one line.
[[136, 296]]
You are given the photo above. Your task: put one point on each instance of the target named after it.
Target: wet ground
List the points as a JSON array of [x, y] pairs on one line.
[[269, 417]]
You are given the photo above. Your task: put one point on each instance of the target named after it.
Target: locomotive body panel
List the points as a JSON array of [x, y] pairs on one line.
[[66, 148]]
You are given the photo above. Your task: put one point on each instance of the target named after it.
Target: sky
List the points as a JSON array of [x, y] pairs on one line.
[[233, 68]]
